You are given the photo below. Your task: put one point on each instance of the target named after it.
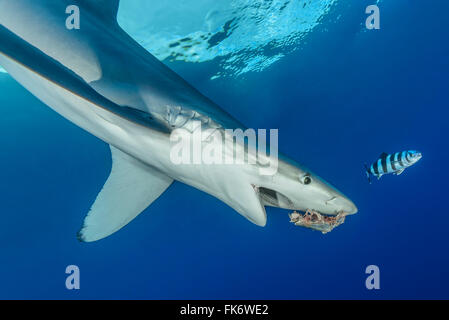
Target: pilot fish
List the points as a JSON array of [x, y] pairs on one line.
[[392, 163]]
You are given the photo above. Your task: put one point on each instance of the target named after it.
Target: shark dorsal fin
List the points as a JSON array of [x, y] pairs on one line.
[[383, 155], [104, 8]]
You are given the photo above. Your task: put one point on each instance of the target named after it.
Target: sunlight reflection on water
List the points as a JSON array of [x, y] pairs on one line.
[[246, 35]]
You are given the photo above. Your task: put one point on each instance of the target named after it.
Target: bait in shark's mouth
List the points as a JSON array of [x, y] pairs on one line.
[[317, 221]]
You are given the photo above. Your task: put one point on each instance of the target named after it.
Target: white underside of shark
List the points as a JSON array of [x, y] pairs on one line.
[[103, 81]]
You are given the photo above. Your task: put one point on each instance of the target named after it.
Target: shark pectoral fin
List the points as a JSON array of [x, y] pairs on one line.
[[131, 187], [399, 172], [246, 201]]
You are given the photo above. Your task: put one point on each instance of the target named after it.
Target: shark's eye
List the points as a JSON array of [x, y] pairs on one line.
[[306, 179]]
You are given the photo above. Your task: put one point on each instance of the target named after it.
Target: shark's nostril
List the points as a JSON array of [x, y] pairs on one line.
[[330, 200], [342, 204]]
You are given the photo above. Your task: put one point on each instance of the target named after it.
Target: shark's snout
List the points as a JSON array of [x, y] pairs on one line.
[[340, 203], [349, 207]]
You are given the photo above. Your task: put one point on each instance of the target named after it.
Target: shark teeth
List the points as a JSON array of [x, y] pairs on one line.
[[314, 220]]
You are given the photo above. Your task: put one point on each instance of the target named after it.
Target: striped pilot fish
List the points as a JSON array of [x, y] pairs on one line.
[[392, 163]]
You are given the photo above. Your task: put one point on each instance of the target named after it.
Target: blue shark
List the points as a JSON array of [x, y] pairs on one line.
[[102, 80]]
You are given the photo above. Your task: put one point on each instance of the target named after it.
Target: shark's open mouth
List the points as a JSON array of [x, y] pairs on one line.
[[317, 221]]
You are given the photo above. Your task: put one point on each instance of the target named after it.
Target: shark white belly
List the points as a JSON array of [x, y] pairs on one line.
[[91, 85]]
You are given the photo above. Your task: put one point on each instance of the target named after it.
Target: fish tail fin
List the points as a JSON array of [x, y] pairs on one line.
[[368, 173]]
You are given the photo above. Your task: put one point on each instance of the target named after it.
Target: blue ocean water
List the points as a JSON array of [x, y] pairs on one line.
[[342, 97]]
